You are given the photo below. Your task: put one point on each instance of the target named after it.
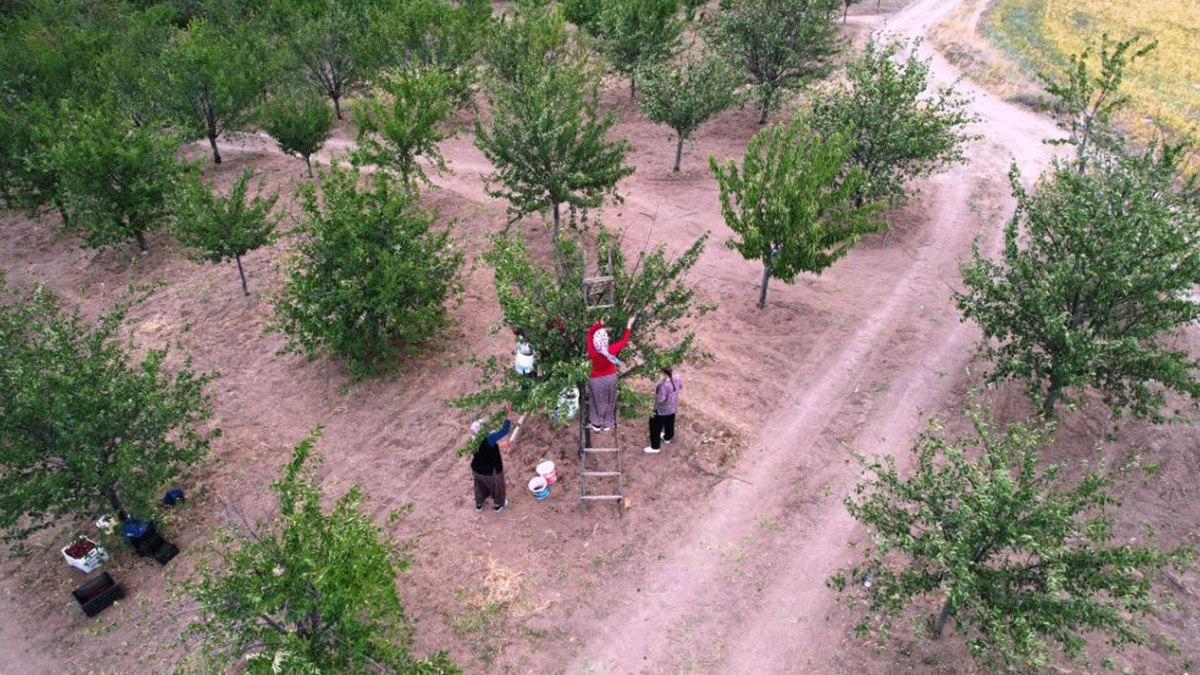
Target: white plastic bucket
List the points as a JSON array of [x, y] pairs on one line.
[[546, 470], [524, 360], [539, 488], [568, 405]]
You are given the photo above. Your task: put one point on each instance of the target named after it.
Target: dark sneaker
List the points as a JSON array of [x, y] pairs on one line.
[[479, 508], [593, 427], [498, 509]]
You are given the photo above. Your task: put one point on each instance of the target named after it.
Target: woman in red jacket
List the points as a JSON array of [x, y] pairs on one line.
[[602, 387]]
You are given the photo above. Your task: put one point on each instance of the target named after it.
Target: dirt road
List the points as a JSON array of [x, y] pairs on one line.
[[743, 589]]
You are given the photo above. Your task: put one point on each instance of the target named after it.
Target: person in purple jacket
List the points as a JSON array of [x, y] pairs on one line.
[[666, 404]]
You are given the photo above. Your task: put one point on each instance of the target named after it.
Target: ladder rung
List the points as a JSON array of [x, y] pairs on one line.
[[599, 449], [600, 474], [602, 497]]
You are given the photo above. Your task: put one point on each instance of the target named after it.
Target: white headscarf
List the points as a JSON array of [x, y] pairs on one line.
[[600, 341]]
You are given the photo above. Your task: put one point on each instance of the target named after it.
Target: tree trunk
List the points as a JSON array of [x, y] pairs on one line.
[[62, 211], [242, 274], [942, 618], [337, 105], [308, 163], [556, 221], [141, 240], [274, 626], [115, 502], [762, 293], [845, 11], [1081, 151], [766, 105], [1050, 400], [678, 154], [212, 140], [632, 86]]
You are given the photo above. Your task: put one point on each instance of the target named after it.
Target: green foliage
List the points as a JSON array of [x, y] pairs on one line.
[[1085, 101], [1022, 561], [130, 71], [84, 427], [583, 13], [30, 178], [369, 280], [404, 120], [684, 96], [335, 47], [525, 47], [791, 205], [218, 229], [779, 44], [1097, 268], [215, 78], [299, 122], [1098, 264], [95, 52], [899, 133], [308, 591], [436, 35], [228, 14], [119, 179], [548, 307], [638, 33], [549, 141], [49, 49]]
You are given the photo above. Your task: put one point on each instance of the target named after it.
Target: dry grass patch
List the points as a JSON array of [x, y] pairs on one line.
[[717, 447]]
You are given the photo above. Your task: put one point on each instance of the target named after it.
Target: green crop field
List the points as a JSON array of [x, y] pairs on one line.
[[1040, 34]]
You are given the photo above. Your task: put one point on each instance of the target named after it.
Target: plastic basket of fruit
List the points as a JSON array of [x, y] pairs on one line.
[[85, 554]]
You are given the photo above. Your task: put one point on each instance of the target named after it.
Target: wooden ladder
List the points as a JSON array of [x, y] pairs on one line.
[[600, 478]]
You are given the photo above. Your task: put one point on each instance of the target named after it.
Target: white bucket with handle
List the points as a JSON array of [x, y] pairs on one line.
[[546, 470], [539, 488]]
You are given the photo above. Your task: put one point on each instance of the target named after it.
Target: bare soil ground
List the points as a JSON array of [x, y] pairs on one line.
[[719, 566]]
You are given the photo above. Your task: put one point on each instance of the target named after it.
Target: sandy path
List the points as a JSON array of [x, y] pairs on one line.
[[742, 590], [18, 655]]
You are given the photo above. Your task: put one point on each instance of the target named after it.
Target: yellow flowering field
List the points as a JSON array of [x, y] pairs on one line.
[[1165, 85]]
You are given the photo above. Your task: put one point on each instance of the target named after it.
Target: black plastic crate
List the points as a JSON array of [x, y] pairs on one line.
[[165, 553], [148, 546], [97, 593], [152, 545]]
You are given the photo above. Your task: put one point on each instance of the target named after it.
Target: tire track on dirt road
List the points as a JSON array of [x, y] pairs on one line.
[[781, 628]]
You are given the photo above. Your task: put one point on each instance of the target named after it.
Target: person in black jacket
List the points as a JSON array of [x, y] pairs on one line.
[[487, 465]]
